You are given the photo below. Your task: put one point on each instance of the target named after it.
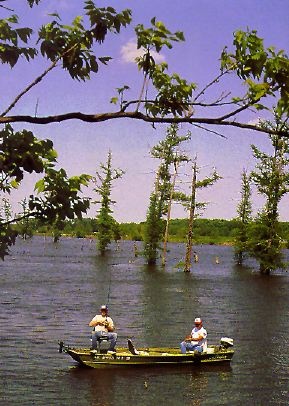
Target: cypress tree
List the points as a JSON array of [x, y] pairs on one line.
[[271, 178], [107, 226], [167, 152]]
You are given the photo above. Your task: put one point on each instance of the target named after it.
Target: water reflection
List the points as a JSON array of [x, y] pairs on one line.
[[166, 306], [109, 386]]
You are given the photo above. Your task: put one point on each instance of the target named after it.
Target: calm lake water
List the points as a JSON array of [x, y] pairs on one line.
[[50, 292]]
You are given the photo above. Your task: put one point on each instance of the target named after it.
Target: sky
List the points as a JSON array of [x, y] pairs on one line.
[[208, 26]]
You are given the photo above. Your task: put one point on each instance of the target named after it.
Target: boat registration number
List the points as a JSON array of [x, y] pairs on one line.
[[111, 357]]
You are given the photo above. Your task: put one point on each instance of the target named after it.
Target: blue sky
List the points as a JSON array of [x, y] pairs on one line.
[[208, 26]]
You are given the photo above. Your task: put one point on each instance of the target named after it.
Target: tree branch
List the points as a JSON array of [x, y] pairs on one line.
[[6, 8], [237, 111], [211, 83], [208, 130], [26, 90], [37, 80], [142, 92], [136, 115], [16, 219], [217, 103]]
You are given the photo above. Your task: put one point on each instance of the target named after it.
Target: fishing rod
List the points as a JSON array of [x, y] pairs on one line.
[[109, 285]]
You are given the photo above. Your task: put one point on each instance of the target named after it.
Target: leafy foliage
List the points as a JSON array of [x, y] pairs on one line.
[[156, 37], [73, 44], [58, 199], [263, 70], [7, 233], [174, 93], [153, 39], [22, 152], [272, 180], [10, 39], [7, 238], [265, 244], [60, 196]]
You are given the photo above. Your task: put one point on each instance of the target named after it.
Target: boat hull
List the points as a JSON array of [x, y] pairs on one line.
[[148, 357]]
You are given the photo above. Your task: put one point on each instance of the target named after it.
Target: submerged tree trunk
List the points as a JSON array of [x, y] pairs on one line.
[[244, 211], [188, 258], [264, 270], [169, 216]]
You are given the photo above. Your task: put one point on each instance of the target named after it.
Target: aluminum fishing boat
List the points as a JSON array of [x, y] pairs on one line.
[[130, 356]]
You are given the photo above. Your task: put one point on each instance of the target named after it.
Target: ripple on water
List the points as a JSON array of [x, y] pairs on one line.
[[51, 292]]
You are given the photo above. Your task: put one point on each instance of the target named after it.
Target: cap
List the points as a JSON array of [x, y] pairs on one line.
[[103, 307], [198, 320]]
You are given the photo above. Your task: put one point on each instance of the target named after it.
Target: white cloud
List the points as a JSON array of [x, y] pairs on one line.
[[129, 52]]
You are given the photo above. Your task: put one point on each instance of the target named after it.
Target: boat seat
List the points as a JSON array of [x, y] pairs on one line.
[[101, 340]]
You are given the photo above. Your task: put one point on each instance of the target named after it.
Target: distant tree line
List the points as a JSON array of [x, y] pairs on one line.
[[206, 231]]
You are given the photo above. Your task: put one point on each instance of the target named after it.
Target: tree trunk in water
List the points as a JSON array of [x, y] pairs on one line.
[[188, 259], [169, 217], [264, 270]]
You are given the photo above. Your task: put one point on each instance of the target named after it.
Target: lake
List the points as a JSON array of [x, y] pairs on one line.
[[50, 292]]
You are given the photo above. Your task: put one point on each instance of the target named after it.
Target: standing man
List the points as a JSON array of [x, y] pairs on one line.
[[197, 340], [103, 326]]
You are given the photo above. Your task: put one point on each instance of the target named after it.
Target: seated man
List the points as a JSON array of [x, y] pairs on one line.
[[103, 327], [197, 340]]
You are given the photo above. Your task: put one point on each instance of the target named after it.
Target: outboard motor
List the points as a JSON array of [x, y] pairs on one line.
[[227, 342]]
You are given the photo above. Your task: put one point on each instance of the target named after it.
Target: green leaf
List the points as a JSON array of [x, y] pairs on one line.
[[54, 15], [14, 184], [114, 100], [180, 35], [93, 64], [259, 106], [104, 59], [40, 186], [24, 33], [32, 2]]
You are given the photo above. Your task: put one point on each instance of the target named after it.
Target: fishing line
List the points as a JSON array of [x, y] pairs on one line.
[[109, 285]]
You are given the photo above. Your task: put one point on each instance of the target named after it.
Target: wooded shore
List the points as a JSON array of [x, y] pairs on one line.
[[206, 231]]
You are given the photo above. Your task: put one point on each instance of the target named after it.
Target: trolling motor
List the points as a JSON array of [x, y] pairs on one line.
[[227, 342]]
